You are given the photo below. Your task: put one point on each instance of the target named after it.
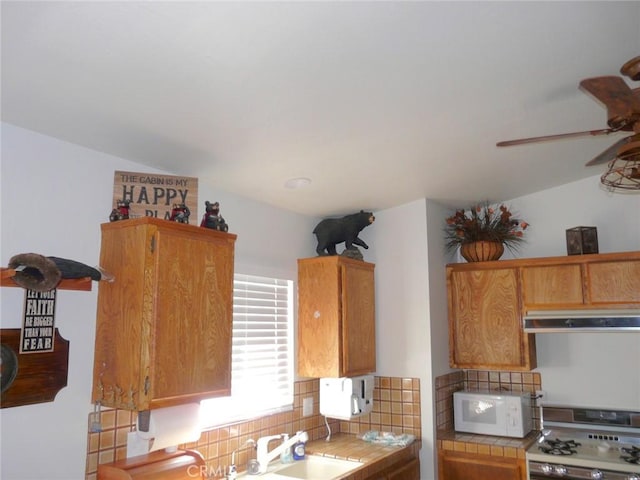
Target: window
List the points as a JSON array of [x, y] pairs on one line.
[[262, 352]]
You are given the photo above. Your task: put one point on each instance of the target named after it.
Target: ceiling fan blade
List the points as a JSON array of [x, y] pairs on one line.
[[631, 69], [623, 107], [610, 153], [521, 141]]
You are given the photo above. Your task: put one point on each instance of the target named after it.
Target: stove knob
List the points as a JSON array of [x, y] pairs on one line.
[[633, 477], [560, 470], [597, 474], [546, 469]]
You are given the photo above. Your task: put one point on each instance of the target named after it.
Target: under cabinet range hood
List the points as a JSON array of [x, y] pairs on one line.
[[550, 321]]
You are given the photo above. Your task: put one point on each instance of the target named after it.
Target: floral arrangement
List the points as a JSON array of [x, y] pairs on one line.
[[483, 222]]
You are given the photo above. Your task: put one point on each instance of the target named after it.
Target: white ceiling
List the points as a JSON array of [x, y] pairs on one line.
[[379, 103]]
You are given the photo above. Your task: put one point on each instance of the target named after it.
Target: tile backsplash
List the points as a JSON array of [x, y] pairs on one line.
[[396, 408], [481, 380]]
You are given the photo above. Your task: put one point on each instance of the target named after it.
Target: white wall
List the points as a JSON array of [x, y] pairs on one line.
[[590, 369], [54, 197], [411, 329]]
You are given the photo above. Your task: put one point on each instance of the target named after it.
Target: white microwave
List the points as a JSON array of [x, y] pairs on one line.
[[506, 414]]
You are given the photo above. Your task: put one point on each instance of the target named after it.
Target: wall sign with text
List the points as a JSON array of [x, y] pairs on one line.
[[38, 329], [153, 195]]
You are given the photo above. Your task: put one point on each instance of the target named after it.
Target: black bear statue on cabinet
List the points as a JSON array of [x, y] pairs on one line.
[[332, 231]]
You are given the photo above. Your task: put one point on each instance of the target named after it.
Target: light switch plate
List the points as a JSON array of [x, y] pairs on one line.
[[307, 406]]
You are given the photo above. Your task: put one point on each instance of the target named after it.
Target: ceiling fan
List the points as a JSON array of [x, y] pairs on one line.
[[623, 115]]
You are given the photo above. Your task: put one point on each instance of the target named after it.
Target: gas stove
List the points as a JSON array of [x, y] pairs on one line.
[[586, 443]]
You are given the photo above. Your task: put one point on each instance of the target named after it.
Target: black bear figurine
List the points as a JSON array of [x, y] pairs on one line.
[[332, 231], [180, 213], [212, 218]]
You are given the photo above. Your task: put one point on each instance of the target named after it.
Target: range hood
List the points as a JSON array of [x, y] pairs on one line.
[[550, 321]]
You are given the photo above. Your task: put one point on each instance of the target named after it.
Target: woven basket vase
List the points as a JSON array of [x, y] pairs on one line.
[[481, 251]]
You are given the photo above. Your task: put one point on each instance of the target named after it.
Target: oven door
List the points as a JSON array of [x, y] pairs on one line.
[[547, 471]]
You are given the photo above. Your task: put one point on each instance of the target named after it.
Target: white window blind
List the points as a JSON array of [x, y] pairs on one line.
[[262, 352]]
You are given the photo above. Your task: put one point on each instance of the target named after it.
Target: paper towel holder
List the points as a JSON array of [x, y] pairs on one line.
[[144, 420], [346, 398]]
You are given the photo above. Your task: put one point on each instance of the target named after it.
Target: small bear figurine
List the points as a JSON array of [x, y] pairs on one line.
[[212, 218], [180, 213], [121, 212], [332, 231]]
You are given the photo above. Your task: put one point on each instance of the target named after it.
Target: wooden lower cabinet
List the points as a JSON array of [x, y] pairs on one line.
[[408, 469], [464, 466]]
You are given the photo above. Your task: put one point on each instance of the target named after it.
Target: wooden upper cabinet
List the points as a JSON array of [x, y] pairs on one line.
[[485, 329], [552, 285], [163, 334], [336, 317], [582, 282], [487, 301], [614, 283]]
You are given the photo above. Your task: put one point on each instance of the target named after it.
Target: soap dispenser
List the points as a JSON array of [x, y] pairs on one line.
[[286, 456], [299, 450]]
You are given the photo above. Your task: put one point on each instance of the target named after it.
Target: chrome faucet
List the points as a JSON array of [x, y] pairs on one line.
[[264, 456]]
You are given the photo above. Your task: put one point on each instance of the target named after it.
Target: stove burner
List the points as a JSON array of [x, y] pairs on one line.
[[559, 447], [631, 454]]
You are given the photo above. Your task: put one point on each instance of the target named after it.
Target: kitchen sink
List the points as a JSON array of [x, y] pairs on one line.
[[313, 467]]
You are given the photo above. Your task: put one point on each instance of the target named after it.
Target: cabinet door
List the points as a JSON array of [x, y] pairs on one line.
[[319, 318], [552, 286], [464, 466], [614, 283], [358, 326], [118, 380], [163, 334], [485, 329], [336, 319], [408, 471], [190, 354]]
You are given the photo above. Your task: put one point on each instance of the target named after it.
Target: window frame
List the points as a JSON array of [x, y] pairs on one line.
[[220, 411]]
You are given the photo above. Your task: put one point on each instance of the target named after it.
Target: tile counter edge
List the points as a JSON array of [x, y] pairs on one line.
[[485, 444], [375, 458]]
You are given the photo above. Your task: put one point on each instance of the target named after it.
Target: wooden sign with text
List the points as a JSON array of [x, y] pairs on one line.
[[153, 195]]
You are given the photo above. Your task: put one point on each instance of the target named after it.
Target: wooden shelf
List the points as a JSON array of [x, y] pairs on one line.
[[83, 284]]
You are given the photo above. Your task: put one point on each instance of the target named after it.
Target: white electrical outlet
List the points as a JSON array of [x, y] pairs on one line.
[[307, 406]]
